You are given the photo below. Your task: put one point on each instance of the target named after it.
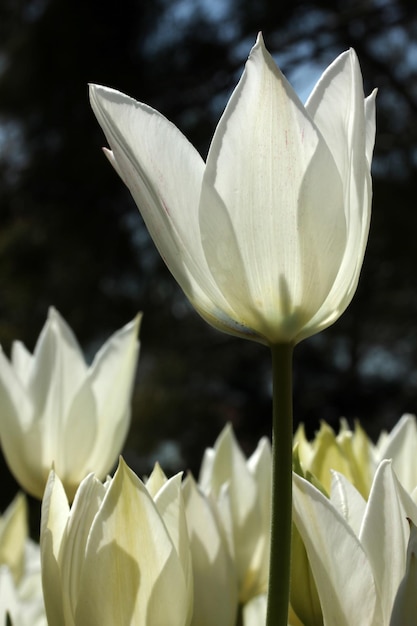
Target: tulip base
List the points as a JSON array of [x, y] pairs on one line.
[[282, 435]]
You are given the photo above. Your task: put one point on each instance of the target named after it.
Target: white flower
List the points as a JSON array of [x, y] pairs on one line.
[[215, 584], [266, 237], [241, 490], [118, 556], [20, 569], [57, 411], [357, 550]]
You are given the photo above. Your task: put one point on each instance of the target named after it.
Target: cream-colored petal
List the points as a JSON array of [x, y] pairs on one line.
[[85, 507], [401, 446], [13, 535], [341, 569], [271, 209], [112, 376], [215, 584], [131, 571], [156, 480], [170, 503], [72, 454], [54, 518], [405, 606], [20, 434], [384, 533], [163, 173], [337, 106], [254, 611], [22, 362], [235, 490], [58, 371], [347, 501]]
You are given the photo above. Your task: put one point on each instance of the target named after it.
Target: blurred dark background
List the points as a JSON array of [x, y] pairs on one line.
[[71, 236]]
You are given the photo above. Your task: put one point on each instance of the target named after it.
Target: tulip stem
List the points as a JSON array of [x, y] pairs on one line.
[[282, 437]]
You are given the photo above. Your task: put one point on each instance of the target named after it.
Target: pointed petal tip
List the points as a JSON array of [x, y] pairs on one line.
[[259, 39]]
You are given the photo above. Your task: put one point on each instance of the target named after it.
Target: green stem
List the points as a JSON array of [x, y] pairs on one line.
[[282, 437]]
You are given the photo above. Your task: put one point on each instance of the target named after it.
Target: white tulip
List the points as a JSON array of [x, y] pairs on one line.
[[266, 237], [57, 411], [117, 556]]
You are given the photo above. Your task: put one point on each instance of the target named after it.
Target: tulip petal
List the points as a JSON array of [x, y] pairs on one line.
[[384, 533], [163, 173], [338, 108], [111, 376], [21, 437], [347, 501], [265, 176], [405, 606], [215, 586], [22, 362], [226, 477], [370, 117], [13, 535], [254, 611], [130, 562], [87, 501], [170, 504], [340, 566], [401, 446], [80, 431], [58, 369], [55, 511]]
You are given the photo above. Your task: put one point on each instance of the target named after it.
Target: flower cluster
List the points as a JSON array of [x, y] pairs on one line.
[[266, 238]]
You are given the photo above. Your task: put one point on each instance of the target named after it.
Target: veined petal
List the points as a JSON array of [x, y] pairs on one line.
[[347, 123], [342, 572], [130, 562], [164, 174], [267, 172], [337, 106]]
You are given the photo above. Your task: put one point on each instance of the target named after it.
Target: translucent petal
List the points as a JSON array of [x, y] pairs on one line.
[[164, 173], [111, 377], [131, 571], [384, 534], [215, 585], [272, 243], [401, 446], [54, 518], [341, 569], [58, 370]]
